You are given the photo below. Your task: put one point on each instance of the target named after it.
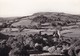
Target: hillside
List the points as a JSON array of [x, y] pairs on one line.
[[42, 17], [46, 18], [56, 15]]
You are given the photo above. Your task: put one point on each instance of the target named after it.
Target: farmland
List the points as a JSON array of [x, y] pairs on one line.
[[71, 31], [34, 23]]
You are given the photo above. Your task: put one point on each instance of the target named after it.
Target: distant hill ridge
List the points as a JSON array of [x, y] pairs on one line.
[[46, 16]]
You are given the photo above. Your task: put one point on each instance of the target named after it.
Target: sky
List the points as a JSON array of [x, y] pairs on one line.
[[11, 8]]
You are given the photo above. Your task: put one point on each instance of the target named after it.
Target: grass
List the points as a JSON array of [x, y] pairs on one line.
[[69, 31]]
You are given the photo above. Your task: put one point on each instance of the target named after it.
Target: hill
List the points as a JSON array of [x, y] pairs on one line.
[[41, 17]]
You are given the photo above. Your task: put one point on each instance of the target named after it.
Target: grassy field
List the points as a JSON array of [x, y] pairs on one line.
[[68, 31]]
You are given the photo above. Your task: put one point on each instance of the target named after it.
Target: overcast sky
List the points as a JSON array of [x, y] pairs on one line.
[[10, 8]]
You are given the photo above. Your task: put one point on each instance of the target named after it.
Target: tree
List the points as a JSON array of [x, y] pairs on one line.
[[21, 28], [4, 25], [34, 27], [54, 24]]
